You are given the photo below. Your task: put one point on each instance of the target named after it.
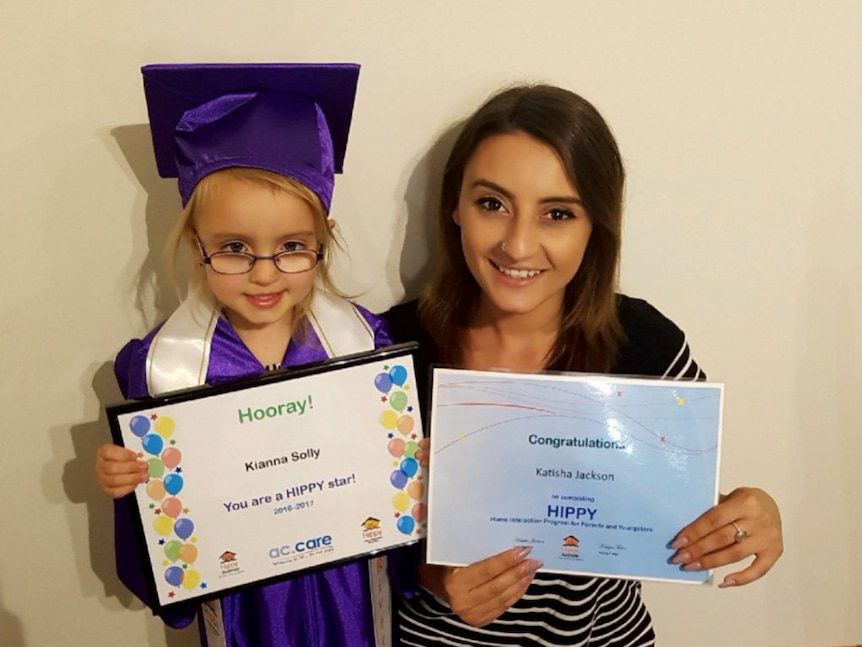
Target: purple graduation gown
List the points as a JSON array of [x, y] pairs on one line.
[[325, 607]]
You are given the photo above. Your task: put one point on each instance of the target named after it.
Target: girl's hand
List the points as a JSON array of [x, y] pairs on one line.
[[422, 454], [481, 592], [746, 522], [119, 470]]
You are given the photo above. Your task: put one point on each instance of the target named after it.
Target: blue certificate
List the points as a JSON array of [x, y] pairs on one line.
[[596, 473]]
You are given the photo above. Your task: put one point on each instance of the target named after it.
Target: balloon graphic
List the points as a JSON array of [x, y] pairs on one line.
[[398, 401], [163, 524], [172, 550], [405, 424], [383, 382], [419, 511], [396, 447], [172, 507], [189, 553], [171, 457], [173, 483], [398, 479], [416, 490], [192, 579], [165, 426], [174, 575], [405, 524], [155, 467], [139, 425], [152, 443], [389, 419], [184, 527], [401, 501], [409, 466], [410, 448], [398, 374], [156, 490]]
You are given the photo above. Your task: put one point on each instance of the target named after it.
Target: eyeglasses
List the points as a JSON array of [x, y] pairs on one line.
[[242, 262]]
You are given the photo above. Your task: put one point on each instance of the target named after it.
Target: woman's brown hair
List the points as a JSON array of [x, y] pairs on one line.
[[590, 332]]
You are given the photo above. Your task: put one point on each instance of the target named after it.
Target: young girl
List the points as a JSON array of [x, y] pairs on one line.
[[525, 278], [255, 148]]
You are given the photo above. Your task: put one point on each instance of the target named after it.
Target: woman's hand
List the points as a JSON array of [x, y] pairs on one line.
[[746, 522], [119, 470], [481, 592]]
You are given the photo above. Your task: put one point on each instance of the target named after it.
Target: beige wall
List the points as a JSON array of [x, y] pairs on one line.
[[740, 124]]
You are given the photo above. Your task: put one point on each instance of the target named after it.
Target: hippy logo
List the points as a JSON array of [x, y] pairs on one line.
[[371, 530], [571, 547], [228, 562]]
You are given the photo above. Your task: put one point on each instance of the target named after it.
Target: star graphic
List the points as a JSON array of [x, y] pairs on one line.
[[152, 505], [185, 510], [680, 400], [662, 437], [394, 463], [397, 514], [383, 398], [158, 511], [153, 416], [171, 594], [185, 566], [386, 367], [161, 542], [390, 435], [410, 408], [413, 436], [179, 469], [173, 441], [203, 585]]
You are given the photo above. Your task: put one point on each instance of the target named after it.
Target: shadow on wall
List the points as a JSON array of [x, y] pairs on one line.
[[422, 197], [154, 292], [80, 487], [11, 627]]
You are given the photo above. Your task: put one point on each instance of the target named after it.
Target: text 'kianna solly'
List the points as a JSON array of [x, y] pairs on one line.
[[281, 409]]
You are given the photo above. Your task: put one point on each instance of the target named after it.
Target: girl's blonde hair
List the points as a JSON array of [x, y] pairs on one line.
[[207, 190]]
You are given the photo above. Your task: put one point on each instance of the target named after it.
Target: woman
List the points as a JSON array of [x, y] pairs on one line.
[[525, 280]]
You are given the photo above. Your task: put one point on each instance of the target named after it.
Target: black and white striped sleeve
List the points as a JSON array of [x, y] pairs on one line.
[[654, 345]]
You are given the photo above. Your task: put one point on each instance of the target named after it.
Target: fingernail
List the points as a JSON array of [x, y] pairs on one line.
[[533, 565], [681, 558], [694, 566], [679, 542], [523, 551], [728, 582]]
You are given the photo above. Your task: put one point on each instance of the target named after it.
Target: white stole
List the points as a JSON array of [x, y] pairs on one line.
[[178, 359]]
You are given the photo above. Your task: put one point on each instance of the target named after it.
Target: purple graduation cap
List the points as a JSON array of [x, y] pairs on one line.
[[290, 118]]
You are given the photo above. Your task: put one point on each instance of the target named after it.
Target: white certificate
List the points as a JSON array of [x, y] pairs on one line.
[[285, 472], [596, 473]]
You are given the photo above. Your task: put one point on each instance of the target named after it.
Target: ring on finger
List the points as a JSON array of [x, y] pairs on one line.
[[740, 533]]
